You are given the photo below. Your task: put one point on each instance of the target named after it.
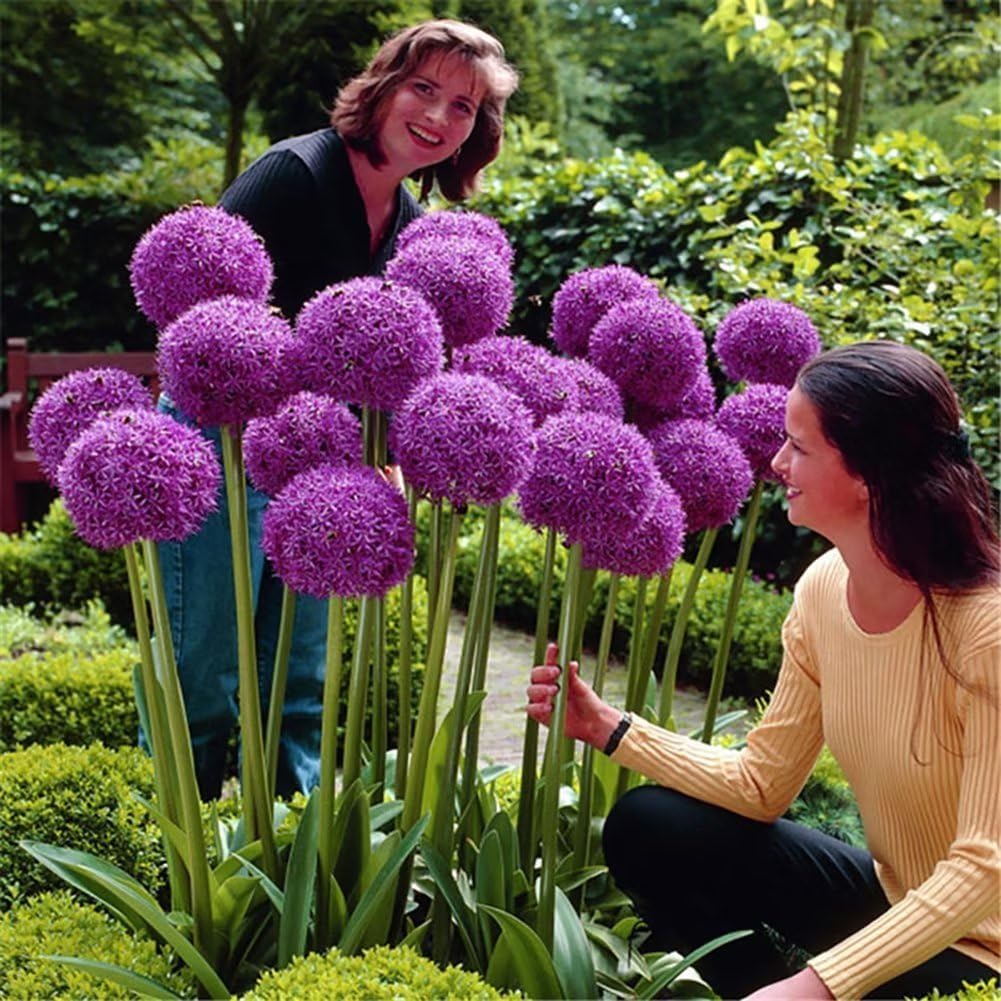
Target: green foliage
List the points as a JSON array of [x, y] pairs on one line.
[[80, 633], [982, 990], [75, 797], [827, 803], [380, 974], [57, 924]]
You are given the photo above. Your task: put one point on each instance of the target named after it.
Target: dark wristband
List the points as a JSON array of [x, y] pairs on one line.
[[618, 733]]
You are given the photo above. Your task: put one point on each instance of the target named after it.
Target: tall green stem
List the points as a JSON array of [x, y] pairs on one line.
[[634, 691], [669, 677], [434, 560], [653, 625], [358, 691], [404, 677], [380, 703], [733, 602], [279, 679]]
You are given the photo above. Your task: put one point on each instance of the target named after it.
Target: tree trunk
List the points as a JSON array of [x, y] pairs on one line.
[[234, 138], [858, 21]]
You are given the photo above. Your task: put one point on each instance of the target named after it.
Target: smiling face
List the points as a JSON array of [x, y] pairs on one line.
[[430, 114], [822, 494]]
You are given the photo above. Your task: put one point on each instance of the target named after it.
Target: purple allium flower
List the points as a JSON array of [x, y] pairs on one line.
[[194, 254], [763, 340], [339, 530], [309, 430], [596, 393], [224, 361], [756, 418], [592, 476], [706, 466], [651, 348], [585, 297], [139, 474], [651, 547], [471, 291], [69, 406], [367, 341], [464, 438], [459, 225], [531, 372], [699, 403]]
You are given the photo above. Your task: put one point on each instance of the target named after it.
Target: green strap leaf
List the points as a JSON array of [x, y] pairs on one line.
[[571, 951], [300, 886], [461, 911], [536, 974], [141, 985], [661, 979]]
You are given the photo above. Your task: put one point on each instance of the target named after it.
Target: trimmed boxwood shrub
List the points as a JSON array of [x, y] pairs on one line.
[[84, 633], [75, 797], [57, 924], [379, 974]]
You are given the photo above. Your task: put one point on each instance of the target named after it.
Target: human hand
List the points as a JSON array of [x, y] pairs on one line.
[[804, 986], [393, 475], [588, 718]]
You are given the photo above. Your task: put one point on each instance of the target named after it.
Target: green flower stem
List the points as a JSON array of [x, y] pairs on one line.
[[358, 690], [183, 758], [404, 677], [328, 767], [732, 603], [605, 641], [530, 749], [669, 676], [553, 765], [634, 692], [258, 807], [164, 772], [435, 535], [279, 678], [653, 626], [380, 703]]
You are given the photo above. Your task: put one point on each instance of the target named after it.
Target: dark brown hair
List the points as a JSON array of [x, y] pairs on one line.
[[357, 113]]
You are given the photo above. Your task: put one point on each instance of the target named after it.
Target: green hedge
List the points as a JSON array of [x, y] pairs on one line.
[[84, 633], [56, 924], [379, 974], [75, 797]]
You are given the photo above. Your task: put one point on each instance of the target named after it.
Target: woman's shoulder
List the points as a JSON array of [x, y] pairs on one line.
[[824, 577], [973, 617]]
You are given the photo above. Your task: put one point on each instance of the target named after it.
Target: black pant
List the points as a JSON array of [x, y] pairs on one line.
[[696, 871]]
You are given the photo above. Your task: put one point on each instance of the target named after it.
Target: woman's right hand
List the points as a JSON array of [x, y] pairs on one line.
[[589, 718]]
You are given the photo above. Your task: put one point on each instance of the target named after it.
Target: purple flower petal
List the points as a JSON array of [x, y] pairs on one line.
[[756, 418], [699, 403], [596, 393], [457, 224]]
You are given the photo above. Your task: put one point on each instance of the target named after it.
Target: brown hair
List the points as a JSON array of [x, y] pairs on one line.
[[357, 111]]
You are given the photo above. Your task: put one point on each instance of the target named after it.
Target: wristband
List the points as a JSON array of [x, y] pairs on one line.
[[618, 733]]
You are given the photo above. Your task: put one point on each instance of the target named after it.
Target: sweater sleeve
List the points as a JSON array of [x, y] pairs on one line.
[[963, 888], [762, 779]]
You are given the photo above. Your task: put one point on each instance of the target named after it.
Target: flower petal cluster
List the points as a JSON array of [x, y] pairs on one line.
[[339, 530], [70, 405], [706, 466], [528, 370], [764, 340], [367, 341], [592, 476], [652, 547], [651, 348], [699, 403], [224, 361], [309, 430], [194, 254], [596, 393], [756, 418], [584, 298], [139, 474], [471, 291], [463, 438], [462, 225]]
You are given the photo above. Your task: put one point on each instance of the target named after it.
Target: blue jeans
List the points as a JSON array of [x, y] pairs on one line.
[[198, 583]]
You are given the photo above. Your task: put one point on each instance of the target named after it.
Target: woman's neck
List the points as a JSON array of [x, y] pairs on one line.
[[377, 187], [878, 597]]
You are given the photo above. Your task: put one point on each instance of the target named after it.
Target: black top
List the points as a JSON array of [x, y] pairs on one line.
[[301, 197]]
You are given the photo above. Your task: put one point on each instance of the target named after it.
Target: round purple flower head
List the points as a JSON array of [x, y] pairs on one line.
[[699, 403], [756, 418], [585, 297], [309, 430], [596, 393], [471, 291], [459, 225], [651, 547], [651, 348], [367, 341], [339, 530], [194, 254], [592, 476], [763, 340], [529, 371], [139, 474], [69, 406], [464, 438], [224, 361], [705, 466]]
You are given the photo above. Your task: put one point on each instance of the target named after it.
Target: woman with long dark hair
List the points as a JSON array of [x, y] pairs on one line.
[[892, 658]]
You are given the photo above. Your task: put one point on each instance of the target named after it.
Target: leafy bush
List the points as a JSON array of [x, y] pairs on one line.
[[379, 974], [56, 924], [982, 990], [83, 633], [75, 797], [827, 803]]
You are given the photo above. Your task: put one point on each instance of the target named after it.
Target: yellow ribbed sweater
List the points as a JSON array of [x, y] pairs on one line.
[[932, 828]]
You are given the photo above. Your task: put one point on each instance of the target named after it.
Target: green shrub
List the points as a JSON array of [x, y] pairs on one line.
[[75, 797], [379, 974], [827, 803], [23, 579], [982, 990], [56, 924], [86, 632]]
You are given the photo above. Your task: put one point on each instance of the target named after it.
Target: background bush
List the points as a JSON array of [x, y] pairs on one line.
[[85, 632]]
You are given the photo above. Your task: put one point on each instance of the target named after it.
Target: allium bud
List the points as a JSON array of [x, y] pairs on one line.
[[457, 224], [699, 403], [756, 418], [596, 393]]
